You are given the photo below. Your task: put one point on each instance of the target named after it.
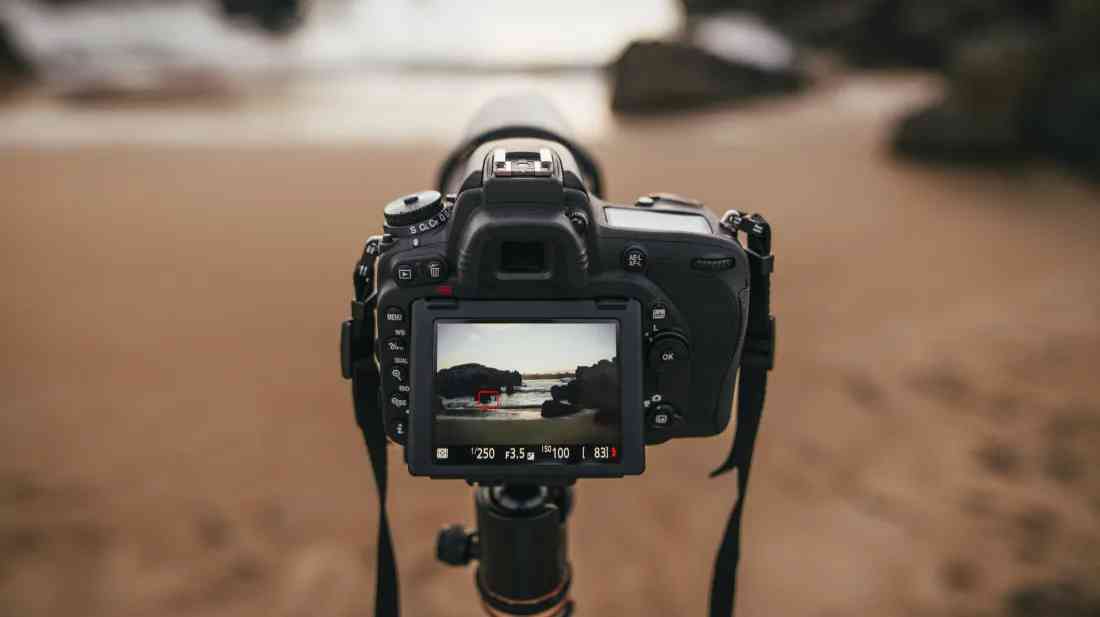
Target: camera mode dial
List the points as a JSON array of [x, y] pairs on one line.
[[413, 209]]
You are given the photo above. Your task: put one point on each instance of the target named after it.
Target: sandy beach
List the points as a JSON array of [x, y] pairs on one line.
[[176, 438]]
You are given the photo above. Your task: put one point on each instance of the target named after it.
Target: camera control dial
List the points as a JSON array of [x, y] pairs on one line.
[[413, 209]]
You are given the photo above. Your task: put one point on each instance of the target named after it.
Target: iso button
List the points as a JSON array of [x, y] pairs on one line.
[[669, 353]]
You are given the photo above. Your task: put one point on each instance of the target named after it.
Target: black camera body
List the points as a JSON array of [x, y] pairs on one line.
[[489, 291]]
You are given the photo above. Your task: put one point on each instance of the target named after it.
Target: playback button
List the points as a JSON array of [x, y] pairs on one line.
[[406, 274]]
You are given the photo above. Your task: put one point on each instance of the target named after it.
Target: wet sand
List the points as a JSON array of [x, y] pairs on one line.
[[176, 439], [579, 428]]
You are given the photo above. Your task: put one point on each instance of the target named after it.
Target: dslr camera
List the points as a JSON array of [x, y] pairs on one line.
[[524, 329]]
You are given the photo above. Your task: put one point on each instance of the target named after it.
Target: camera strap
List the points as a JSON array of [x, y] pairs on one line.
[[357, 352], [757, 358]]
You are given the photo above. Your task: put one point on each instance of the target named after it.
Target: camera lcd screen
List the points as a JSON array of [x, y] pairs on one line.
[[657, 220], [526, 393]]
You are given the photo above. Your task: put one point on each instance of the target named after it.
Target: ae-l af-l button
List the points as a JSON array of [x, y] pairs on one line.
[[669, 353]]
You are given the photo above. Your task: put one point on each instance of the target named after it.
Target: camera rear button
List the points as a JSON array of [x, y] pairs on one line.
[[662, 416], [398, 430], [658, 312], [668, 353], [400, 403], [398, 374], [436, 270], [394, 315], [405, 274], [634, 259], [396, 344]]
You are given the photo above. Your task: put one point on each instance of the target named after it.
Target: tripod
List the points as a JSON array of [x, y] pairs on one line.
[[520, 545]]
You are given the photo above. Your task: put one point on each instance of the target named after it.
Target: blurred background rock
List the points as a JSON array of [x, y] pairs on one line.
[[186, 185]]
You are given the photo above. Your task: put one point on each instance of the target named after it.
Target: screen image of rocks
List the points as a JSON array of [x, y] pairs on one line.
[[526, 383]]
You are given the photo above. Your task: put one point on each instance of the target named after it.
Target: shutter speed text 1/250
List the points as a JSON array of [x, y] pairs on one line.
[[526, 454]]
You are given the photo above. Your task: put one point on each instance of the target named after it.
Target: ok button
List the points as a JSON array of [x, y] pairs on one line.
[[668, 353]]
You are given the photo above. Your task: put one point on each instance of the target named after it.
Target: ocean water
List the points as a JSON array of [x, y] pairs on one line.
[[525, 403], [106, 38], [357, 71]]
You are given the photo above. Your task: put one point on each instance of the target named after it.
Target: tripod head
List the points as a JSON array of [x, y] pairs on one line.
[[521, 548]]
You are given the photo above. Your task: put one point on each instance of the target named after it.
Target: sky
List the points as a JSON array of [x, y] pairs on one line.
[[525, 347]]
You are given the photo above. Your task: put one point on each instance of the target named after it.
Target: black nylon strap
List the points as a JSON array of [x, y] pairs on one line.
[[369, 417], [365, 382], [757, 358]]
